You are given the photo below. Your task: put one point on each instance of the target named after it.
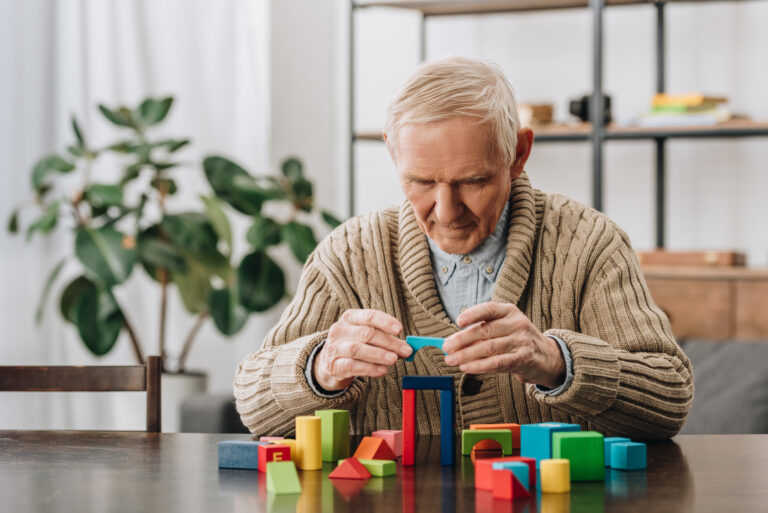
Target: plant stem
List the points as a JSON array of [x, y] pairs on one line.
[[190, 338], [134, 340]]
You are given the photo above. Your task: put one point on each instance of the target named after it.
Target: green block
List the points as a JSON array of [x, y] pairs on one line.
[[282, 478], [469, 437], [584, 449], [380, 468], [334, 426]]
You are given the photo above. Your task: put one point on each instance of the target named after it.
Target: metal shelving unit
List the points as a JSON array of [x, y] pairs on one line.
[[596, 132]]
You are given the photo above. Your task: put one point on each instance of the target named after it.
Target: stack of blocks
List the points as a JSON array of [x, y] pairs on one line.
[[447, 407]]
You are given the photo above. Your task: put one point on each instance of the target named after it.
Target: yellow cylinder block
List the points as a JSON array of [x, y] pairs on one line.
[[555, 475], [309, 449], [290, 443]]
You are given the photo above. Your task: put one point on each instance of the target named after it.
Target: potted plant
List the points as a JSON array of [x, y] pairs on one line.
[[126, 223]]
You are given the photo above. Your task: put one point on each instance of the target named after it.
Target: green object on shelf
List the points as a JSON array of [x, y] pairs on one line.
[[282, 478], [584, 449], [380, 468]]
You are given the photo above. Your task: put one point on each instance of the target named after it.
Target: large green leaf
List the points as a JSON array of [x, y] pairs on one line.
[[302, 195], [45, 166], [156, 253], [106, 253], [300, 239], [264, 232], [261, 282], [194, 286], [72, 295], [191, 231], [228, 314], [102, 195], [233, 184], [218, 219], [46, 222], [330, 219], [47, 289], [99, 320], [292, 169], [152, 111], [120, 117]]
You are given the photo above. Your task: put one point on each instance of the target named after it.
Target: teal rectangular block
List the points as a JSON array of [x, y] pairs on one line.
[[629, 456], [417, 343], [241, 454], [607, 442], [584, 449], [334, 429], [520, 469], [536, 439]]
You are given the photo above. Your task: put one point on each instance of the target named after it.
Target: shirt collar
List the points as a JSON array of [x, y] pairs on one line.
[[488, 257]]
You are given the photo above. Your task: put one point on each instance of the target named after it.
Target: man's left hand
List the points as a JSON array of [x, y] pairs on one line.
[[500, 338]]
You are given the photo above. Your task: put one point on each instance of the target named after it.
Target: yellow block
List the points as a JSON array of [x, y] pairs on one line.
[[290, 443], [309, 449], [555, 475]]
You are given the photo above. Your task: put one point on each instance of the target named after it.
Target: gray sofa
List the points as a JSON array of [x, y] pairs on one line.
[[731, 393]]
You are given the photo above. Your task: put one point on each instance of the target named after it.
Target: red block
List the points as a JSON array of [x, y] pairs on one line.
[[350, 468], [371, 448], [484, 471], [506, 486], [531, 462], [272, 452], [409, 426], [394, 439], [271, 438], [486, 445]]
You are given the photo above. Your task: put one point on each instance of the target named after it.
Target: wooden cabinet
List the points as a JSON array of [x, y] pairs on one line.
[[713, 303]]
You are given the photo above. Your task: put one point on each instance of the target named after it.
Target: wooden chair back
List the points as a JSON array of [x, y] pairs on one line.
[[96, 378]]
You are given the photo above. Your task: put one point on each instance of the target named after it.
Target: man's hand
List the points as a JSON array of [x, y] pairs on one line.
[[361, 343], [500, 338]]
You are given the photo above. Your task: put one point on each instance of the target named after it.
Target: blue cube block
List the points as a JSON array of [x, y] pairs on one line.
[[607, 442], [536, 439], [518, 468], [242, 454], [628, 456]]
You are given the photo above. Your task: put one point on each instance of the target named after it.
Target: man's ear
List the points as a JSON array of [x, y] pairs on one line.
[[522, 151]]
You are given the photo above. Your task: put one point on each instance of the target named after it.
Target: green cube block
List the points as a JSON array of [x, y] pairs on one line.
[[282, 478], [584, 449], [470, 437], [334, 426], [380, 468]]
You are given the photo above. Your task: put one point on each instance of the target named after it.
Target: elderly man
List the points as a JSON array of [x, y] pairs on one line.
[[544, 310]]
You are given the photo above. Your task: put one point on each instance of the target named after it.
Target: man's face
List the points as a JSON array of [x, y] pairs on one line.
[[449, 174]]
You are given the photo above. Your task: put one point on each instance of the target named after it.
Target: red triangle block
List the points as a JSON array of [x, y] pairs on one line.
[[350, 468], [371, 448], [507, 486]]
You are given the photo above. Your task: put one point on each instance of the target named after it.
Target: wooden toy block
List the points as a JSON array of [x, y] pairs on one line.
[[350, 468], [409, 427], [282, 478], [271, 438], [271, 452], [519, 468], [242, 454], [394, 439], [418, 342], [629, 456], [447, 438], [428, 382], [372, 448], [488, 445], [335, 433], [607, 442], [555, 476], [484, 471], [584, 449], [469, 437], [506, 486], [309, 453], [536, 439], [380, 468]]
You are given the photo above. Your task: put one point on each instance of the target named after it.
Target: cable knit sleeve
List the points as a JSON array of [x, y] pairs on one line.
[[630, 376], [270, 385]]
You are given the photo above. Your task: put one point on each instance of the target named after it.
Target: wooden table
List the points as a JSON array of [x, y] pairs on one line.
[[84, 471]]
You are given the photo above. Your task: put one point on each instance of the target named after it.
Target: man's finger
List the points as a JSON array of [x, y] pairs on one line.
[[351, 368], [375, 318], [366, 353], [479, 350], [476, 332], [484, 312], [373, 336]]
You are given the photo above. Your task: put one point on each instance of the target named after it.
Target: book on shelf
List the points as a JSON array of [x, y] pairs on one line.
[[690, 109]]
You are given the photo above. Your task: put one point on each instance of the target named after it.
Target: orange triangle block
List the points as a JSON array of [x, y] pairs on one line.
[[350, 468], [371, 448]]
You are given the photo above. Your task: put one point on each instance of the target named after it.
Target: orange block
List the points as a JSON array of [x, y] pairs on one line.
[[486, 445], [371, 448]]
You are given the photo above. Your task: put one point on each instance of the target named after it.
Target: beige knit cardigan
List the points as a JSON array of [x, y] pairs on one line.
[[568, 267]]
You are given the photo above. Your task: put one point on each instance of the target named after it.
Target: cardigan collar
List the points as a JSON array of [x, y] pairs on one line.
[[416, 266]]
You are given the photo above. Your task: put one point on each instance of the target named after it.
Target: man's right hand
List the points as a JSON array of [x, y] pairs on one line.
[[361, 343]]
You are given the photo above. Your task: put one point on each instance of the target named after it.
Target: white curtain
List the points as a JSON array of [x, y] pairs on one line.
[[63, 57]]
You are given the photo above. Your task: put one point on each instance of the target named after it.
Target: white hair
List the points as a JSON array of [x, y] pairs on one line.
[[457, 87]]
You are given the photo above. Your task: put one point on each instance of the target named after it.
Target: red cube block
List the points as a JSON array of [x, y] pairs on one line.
[[272, 452]]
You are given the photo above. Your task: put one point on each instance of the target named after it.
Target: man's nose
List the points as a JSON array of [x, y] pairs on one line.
[[448, 206]]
